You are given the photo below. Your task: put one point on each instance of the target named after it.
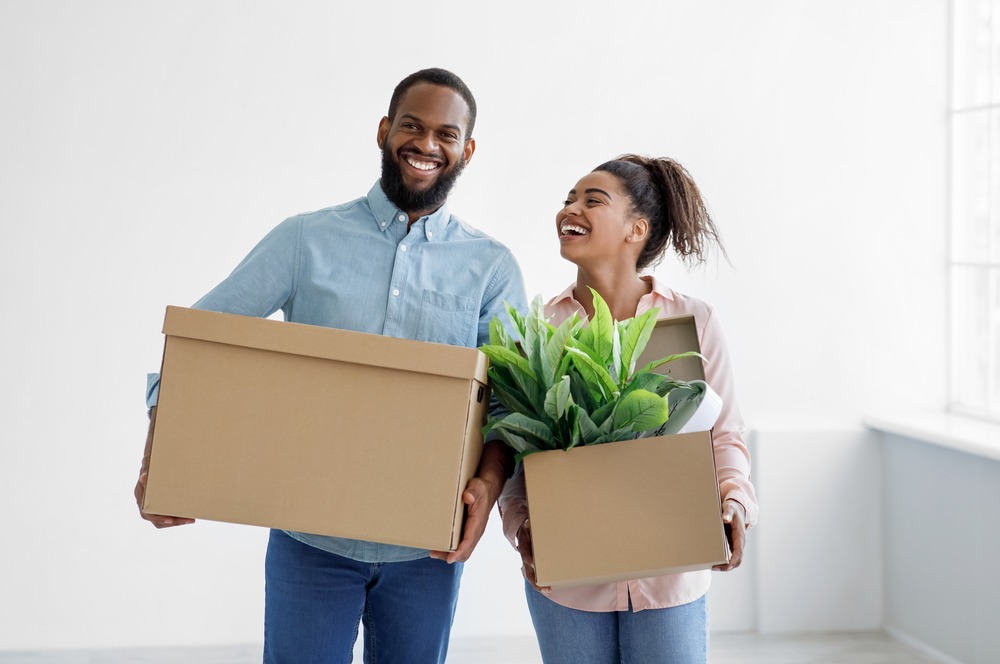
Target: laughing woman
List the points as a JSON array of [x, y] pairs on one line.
[[617, 221]]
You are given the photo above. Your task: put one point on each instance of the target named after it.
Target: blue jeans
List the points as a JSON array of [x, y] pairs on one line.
[[314, 601], [678, 635]]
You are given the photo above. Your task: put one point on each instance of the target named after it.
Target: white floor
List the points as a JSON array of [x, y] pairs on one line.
[[847, 648]]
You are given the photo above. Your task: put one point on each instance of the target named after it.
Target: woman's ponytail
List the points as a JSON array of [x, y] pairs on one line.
[[664, 193]]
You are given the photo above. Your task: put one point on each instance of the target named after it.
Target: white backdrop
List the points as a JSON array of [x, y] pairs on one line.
[[145, 148]]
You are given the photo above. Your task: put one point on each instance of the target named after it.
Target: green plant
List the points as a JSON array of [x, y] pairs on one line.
[[573, 385]]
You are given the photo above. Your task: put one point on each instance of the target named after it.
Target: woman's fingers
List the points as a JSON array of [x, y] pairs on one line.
[[527, 559], [734, 516]]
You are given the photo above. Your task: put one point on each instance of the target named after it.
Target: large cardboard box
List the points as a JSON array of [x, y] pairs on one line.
[[316, 430], [633, 509]]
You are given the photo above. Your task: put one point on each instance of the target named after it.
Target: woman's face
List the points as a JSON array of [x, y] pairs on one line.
[[595, 221]]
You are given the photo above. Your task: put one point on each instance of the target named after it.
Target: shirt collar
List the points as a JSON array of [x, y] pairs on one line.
[[659, 289], [386, 213]]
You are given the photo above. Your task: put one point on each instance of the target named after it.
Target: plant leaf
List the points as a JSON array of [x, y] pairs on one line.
[[602, 415], [518, 443], [641, 410], [579, 390], [510, 398], [602, 326], [618, 435], [522, 424], [573, 415], [558, 398], [516, 319], [635, 340], [555, 347], [500, 337], [588, 430], [670, 358], [608, 385], [616, 354], [506, 358]]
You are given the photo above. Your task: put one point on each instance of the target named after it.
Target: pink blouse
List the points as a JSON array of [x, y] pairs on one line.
[[732, 461]]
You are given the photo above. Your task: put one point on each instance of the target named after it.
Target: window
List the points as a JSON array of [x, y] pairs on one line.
[[974, 260]]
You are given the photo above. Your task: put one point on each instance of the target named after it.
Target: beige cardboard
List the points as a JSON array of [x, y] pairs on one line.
[[315, 430], [634, 509], [628, 510], [673, 336]]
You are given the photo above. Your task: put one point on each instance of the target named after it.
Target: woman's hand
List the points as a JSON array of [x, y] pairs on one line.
[[735, 518], [527, 559]]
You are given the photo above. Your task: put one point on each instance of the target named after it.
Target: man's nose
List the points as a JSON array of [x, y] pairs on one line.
[[427, 143]]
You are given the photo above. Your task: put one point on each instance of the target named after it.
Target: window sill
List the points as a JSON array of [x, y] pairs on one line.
[[956, 432]]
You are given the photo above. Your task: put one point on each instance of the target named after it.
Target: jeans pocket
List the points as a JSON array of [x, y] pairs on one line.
[[446, 318]]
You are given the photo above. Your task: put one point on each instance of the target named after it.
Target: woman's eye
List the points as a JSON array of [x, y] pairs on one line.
[[566, 202], [595, 200]]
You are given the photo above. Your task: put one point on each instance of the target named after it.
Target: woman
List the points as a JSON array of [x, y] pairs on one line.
[[617, 221]]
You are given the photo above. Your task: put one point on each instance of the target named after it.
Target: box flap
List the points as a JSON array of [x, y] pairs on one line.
[[672, 336], [326, 343]]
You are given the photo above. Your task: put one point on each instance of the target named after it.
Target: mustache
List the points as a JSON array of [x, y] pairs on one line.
[[434, 156]]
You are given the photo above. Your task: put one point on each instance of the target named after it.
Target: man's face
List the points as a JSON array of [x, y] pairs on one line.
[[424, 148]]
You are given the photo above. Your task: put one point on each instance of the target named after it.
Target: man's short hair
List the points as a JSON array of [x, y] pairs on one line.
[[437, 77]]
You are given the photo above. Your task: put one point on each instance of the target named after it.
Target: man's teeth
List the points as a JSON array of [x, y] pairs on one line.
[[572, 228], [422, 165]]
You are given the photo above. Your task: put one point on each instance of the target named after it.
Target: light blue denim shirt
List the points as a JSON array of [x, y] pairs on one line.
[[356, 267]]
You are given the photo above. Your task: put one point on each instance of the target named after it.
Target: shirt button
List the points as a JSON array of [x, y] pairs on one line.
[[402, 217], [395, 292], [429, 234], [383, 223], [402, 247]]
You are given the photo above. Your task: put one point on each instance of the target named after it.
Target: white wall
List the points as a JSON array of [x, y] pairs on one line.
[[941, 578], [144, 148]]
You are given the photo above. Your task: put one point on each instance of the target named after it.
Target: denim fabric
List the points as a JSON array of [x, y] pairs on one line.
[[356, 267], [315, 600], [678, 635]]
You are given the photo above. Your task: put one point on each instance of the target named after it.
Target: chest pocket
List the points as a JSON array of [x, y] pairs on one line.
[[446, 318]]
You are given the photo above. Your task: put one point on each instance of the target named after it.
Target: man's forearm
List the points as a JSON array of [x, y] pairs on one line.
[[496, 465]]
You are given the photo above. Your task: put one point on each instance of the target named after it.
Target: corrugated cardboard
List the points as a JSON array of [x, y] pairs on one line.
[[633, 509], [314, 429]]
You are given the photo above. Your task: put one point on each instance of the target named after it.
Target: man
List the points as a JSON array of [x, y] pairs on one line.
[[397, 263]]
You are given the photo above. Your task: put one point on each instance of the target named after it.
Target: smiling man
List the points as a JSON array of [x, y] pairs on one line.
[[395, 262]]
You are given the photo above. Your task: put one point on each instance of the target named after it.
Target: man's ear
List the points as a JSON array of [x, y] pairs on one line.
[[470, 148], [384, 125]]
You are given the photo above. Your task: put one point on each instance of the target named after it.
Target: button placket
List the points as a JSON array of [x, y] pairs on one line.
[[397, 283]]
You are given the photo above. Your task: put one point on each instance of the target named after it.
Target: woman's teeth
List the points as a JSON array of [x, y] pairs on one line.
[[422, 165], [568, 229]]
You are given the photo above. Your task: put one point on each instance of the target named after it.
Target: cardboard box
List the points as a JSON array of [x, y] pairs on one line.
[[315, 430], [633, 509]]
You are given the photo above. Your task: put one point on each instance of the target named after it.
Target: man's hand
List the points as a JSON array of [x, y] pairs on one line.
[[480, 498], [481, 495], [735, 518], [527, 558], [158, 520]]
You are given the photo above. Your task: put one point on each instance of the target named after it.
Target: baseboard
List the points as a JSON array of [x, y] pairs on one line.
[[917, 644]]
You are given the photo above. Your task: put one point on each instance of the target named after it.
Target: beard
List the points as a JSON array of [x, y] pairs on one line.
[[407, 199]]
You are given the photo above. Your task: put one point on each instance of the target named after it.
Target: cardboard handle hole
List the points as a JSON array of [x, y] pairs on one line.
[[479, 396]]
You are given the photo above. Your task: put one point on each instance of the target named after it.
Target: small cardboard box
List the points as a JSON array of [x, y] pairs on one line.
[[315, 430], [633, 509]]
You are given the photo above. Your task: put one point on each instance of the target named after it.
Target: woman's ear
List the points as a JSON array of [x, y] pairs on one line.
[[637, 231]]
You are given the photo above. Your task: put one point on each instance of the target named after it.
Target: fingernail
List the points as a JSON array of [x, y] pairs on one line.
[[546, 591]]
